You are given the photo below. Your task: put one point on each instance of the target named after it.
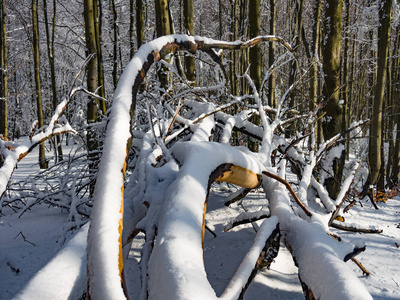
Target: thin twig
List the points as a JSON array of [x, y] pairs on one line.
[[21, 234], [289, 187]]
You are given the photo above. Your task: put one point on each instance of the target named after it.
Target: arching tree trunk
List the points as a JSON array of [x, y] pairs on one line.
[[35, 46]]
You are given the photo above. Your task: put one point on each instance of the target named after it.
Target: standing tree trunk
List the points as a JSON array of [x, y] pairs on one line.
[[163, 27], [162, 17], [131, 28], [50, 54], [92, 84], [98, 24], [188, 20], [393, 177], [375, 140], [293, 66], [271, 57], [345, 75], [114, 25], [3, 72], [255, 52], [331, 67], [140, 18], [35, 46], [221, 19], [313, 93], [255, 59], [233, 55]]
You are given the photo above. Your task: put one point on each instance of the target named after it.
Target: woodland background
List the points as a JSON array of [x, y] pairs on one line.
[[354, 46], [325, 72]]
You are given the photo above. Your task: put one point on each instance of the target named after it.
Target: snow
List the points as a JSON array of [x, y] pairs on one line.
[[181, 258], [175, 265], [241, 276], [42, 226], [315, 252], [68, 267]]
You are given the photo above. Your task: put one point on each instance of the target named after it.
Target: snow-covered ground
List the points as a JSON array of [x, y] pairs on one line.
[[30, 243]]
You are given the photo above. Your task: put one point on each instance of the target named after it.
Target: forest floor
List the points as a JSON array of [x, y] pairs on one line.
[[28, 243]]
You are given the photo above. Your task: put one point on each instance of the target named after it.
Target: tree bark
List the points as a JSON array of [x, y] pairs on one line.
[[293, 66], [271, 57], [140, 26], [114, 25], [163, 27], [331, 51], [313, 92], [92, 83], [233, 55], [162, 17], [98, 25], [3, 72], [50, 54], [255, 52], [35, 46], [375, 141], [394, 172], [188, 20], [345, 75]]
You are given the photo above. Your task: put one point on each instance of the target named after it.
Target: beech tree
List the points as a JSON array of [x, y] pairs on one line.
[[272, 101], [331, 50], [3, 71], [188, 20], [50, 55], [92, 83], [38, 92], [375, 141], [170, 130]]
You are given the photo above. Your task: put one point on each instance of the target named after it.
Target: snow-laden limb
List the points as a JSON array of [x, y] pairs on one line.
[[13, 152], [240, 279], [318, 256], [247, 217], [323, 194], [64, 277], [174, 268], [236, 196], [346, 185], [177, 256]]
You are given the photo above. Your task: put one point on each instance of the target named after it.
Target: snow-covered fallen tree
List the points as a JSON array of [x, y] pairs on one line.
[[157, 169]]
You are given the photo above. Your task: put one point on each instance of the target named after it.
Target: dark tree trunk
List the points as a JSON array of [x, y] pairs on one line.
[[35, 46], [331, 51], [3, 72], [375, 142]]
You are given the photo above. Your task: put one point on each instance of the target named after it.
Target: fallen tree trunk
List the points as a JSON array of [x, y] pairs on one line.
[[315, 253]]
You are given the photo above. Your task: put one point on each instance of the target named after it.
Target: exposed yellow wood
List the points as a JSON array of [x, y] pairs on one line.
[[241, 177], [235, 175]]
